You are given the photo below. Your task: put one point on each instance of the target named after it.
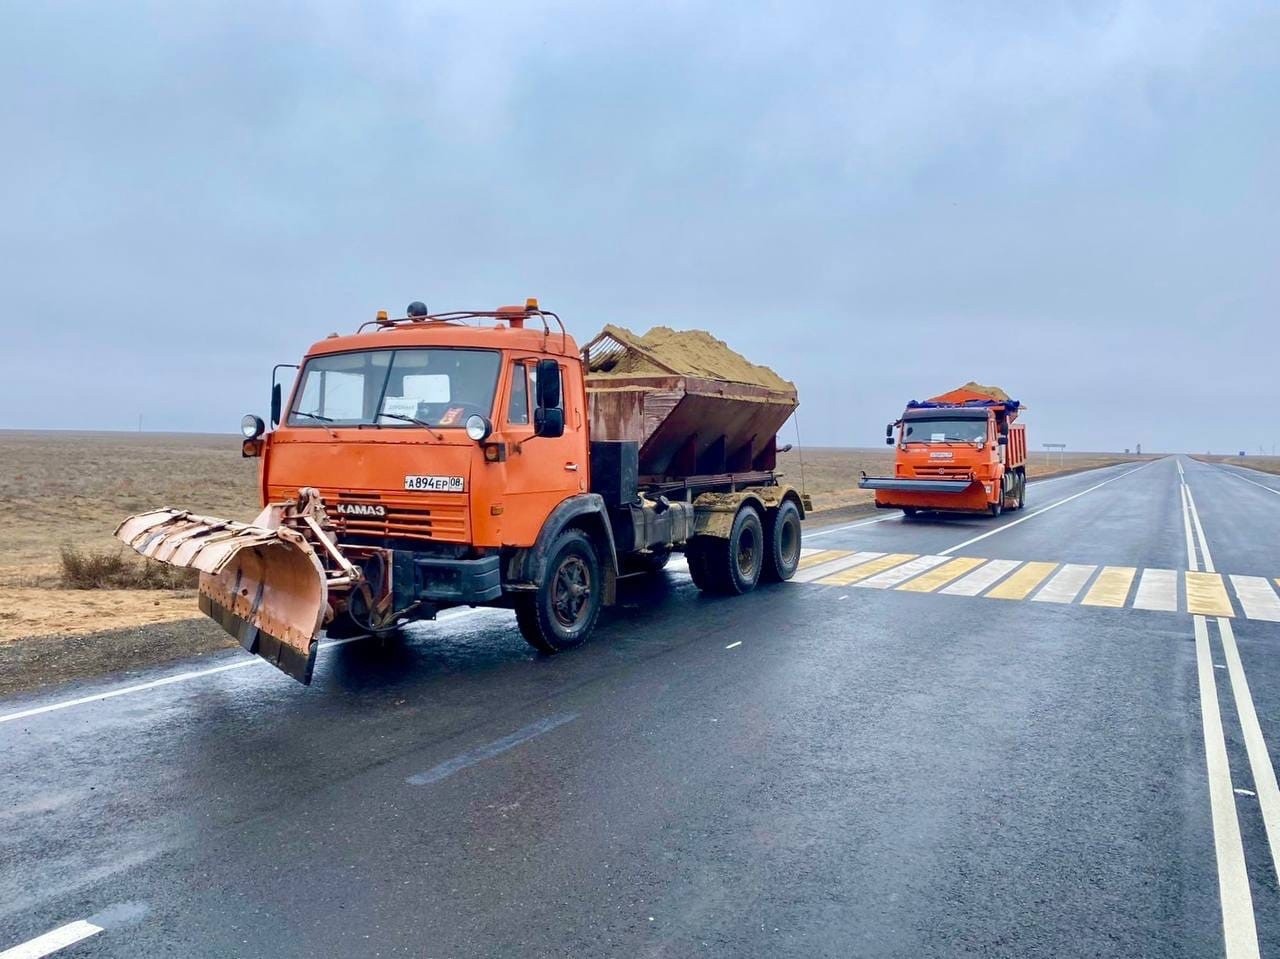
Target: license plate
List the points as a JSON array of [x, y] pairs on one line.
[[435, 484]]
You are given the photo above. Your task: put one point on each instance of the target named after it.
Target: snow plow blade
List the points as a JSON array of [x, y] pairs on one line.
[[265, 586], [914, 485]]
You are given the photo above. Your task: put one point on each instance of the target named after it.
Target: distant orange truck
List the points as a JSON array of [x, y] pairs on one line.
[[959, 452]]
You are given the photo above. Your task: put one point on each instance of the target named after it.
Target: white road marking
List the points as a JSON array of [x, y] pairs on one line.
[[981, 578], [1065, 585], [489, 750], [1258, 597], [837, 529], [814, 573], [52, 941], [183, 677], [734, 645], [1238, 928], [1044, 509], [1269, 489], [1158, 589], [900, 574], [1204, 543], [1264, 774], [1186, 527], [1245, 792]]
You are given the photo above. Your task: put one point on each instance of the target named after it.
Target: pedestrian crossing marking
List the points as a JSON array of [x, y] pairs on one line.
[[981, 578], [1111, 588], [1021, 583], [1158, 589], [1163, 590], [820, 556], [863, 570], [941, 575], [1065, 585], [1257, 597], [1206, 595], [892, 577]]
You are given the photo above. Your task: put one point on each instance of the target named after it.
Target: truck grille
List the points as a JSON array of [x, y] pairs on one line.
[[441, 518]]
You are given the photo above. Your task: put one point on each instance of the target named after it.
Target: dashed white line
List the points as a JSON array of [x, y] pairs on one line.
[[52, 941], [734, 645]]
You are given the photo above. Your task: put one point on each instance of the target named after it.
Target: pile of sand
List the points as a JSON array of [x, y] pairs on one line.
[[684, 352], [994, 392]]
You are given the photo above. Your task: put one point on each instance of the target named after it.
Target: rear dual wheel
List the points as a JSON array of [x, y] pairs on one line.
[[730, 566]]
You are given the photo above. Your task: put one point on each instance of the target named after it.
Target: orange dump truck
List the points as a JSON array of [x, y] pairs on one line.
[[479, 458], [958, 452]]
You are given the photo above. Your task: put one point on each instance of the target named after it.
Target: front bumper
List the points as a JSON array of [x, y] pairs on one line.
[[442, 581], [915, 485]]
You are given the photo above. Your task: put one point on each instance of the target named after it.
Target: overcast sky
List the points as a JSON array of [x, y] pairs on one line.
[[1076, 201]]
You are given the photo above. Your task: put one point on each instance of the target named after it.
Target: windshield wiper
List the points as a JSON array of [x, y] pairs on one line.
[[322, 420], [412, 419]]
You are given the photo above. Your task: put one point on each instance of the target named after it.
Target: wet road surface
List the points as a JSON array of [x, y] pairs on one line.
[[816, 769]]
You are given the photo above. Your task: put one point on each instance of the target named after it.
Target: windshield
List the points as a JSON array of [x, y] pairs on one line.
[[439, 387], [944, 430]]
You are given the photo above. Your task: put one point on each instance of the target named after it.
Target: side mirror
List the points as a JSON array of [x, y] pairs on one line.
[[1003, 439], [888, 432], [548, 421], [888, 441], [548, 373], [275, 404]]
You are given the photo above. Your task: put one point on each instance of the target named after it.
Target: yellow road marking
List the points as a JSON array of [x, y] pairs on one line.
[[847, 576], [821, 556], [928, 582], [1111, 588], [1022, 582], [1207, 595]]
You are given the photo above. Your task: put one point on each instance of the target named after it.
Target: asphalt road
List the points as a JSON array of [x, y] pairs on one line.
[[815, 769]]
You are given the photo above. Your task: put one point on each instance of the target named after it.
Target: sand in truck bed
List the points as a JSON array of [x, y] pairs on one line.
[[663, 351]]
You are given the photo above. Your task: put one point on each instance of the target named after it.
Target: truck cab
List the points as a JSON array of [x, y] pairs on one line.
[[957, 452]]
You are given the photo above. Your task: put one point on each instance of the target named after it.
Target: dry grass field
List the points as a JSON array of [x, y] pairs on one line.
[[1265, 464], [72, 489]]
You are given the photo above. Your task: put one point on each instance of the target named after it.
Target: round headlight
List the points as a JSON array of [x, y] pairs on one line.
[[478, 428], [252, 426]]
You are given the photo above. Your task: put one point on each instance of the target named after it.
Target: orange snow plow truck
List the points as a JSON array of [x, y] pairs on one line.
[[960, 452], [481, 459]]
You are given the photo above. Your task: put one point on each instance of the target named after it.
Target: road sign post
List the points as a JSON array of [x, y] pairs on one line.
[[1048, 452]]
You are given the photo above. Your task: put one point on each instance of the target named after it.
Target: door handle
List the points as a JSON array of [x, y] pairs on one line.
[[571, 467]]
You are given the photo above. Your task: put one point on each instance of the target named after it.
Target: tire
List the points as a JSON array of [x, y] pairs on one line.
[[563, 611], [996, 508], [909, 512], [696, 553], [733, 566], [782, 544]]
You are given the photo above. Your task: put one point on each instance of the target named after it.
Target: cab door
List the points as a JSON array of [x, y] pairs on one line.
[[542, 471]]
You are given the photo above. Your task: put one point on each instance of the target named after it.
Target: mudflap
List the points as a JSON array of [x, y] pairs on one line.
[[265, 586]]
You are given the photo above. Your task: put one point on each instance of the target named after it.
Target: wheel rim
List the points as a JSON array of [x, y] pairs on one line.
[[789, 542], [748, 552], [571, 592]]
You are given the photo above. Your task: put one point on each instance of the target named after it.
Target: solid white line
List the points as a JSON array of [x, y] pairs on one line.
[[899, 574], [1204, 543], [733, 645], [1264, 774], [181, 678], [1258, 597], [1044, 509], [1186, 529], [1269, 489], [837, 529], [52, 941], [982, 577], [1238, 929]]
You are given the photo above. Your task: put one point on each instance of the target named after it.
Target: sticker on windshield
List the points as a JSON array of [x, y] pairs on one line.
[[938, 437], [435, 484]]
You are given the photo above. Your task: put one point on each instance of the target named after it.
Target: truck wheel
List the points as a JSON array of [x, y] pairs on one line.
[[732, 566], [563, 611], [1022, 490], [909, 512], [782, 552], [997, 507]]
